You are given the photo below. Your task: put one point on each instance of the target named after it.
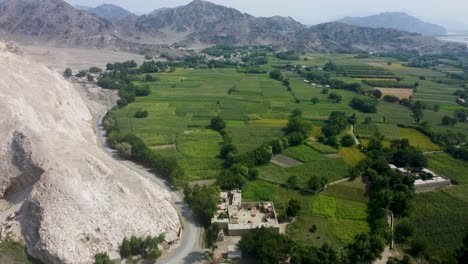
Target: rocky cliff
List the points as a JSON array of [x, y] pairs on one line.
[[60, 192]]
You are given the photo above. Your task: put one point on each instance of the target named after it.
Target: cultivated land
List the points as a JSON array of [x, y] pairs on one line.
[[256, 108], [339, 213]]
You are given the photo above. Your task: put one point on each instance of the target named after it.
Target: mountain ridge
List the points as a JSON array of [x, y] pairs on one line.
[[197, 24], [396, 20]]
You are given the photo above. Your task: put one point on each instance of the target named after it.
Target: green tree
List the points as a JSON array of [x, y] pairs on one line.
[[293, 182], [294, 206], [124, 149], [449, 121], [314, 183], [102, 258], [347, 141], [365, 248], [125, 248], [211, 234], [203, 200], [436, 108], [68, 73], [377, 93], [226, 149], [217, 123], [265, 245], [276, 74], [315, 100]]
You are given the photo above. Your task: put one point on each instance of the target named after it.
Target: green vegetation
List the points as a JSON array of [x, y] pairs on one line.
[[225, 119], [144, 248], [14, 253]]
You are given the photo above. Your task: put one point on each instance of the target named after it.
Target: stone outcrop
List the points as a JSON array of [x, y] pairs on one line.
[[60, 192]]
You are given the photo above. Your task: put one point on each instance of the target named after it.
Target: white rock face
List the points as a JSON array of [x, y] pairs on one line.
[[72, 200]]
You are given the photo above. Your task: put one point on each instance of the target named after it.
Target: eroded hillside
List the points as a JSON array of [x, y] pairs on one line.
[[61, 193]]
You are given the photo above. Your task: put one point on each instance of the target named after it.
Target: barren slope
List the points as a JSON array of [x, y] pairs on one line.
[[77, 200]]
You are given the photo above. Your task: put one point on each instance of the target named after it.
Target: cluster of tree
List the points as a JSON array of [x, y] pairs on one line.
[[335, 97], [133, 148], [146, 248], [449, 121], [330, 67], [267, 246], [121, 66], [390, 84], [203, 200], [251, 70], [365, 105], [417, 107], [316, 183], [324, 78], [463, 94], [288, 55], [102, 258], [391, 98], [337, 123], [141, 114], [68, 73], [211, 235], [276, 75]]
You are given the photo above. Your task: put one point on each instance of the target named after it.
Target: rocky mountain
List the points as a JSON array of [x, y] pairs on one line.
[[339, 37], [53, 21], [197, 24], [396, 20], [110, 12], [59, 192], [207, 23]]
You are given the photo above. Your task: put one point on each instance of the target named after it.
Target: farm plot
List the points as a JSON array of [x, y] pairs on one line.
[[399, 92], [338, 214], [417, 139], [440, 218], [443, 164], [315, 164], [285, 161]]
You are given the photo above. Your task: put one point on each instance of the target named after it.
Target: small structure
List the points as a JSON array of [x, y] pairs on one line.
[[237, 218], [306, 81], [424, 184]]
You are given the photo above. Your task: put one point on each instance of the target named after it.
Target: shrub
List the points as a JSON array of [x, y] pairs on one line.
[[347, 141], [141, 114], [217, 123], [365, 105], [391, 98], [102, 258]]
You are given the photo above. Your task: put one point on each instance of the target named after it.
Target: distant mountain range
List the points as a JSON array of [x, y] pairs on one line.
[[110, 12], [197, 24], [396, 20]]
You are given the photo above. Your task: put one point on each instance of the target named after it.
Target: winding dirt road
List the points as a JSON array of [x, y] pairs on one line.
[[189, 250]]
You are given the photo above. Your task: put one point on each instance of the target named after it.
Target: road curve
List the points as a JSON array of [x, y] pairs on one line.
[[189, 250]]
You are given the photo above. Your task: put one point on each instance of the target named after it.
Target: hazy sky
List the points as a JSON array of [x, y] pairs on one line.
[[317, 11]]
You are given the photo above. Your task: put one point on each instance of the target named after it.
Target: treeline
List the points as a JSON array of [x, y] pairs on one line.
[[287, 55], [266, 246], [144, 248], [134, 148], [337, 123], [390, 84]]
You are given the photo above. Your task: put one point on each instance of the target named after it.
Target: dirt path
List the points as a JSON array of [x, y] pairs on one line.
[[354, 136], [189, 249]]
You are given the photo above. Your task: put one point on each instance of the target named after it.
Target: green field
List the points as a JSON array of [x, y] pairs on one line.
[[256, 109], [443, 164], [339, 213], [441, 218], [315, 164]]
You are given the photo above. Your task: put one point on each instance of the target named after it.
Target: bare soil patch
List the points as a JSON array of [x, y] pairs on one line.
[[400, 92], [285, 161]]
